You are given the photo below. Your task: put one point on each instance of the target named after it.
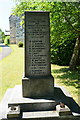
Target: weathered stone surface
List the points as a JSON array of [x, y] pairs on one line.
[[38, 87], [37, 81], [37, 44]]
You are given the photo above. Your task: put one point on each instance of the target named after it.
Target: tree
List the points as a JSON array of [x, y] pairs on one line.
[[7, 40], [65, 28], [74, 23], [2, 35]]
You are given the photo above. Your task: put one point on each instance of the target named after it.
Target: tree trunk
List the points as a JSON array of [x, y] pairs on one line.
[[75, 54]]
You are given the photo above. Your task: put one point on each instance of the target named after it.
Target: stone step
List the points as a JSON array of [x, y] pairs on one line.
[[29, 104], [32, 107], [46, 115], [39, 114]]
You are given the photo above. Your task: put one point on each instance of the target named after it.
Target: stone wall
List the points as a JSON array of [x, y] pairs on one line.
[[12, 23], [19, 30], [16, 30]]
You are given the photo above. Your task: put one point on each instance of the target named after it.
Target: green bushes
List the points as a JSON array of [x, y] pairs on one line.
[[20, 44], [7, 40], [61, 51]]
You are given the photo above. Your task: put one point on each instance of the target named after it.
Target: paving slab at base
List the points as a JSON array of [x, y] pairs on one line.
[[29, 105]]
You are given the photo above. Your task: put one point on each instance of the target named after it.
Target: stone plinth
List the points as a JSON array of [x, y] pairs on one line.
[[29, 104], [38, 87], [37, 80]]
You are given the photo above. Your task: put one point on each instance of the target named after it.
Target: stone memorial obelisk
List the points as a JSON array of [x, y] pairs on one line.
[[37, 80], [40, 100]]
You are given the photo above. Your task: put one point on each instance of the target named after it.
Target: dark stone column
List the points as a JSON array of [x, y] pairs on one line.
[[37, 80]]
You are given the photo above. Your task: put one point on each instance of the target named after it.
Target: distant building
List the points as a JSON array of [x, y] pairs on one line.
[[12, 23], [7, 33], [16, 30], [19, 30]]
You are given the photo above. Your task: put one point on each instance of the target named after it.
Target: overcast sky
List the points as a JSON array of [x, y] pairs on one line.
[[5, 11]]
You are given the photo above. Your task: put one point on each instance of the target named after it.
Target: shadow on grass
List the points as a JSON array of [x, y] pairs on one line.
[[4, 46], [69, 78]]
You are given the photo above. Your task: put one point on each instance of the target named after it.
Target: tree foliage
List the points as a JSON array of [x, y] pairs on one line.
[[2, 35], [64, 24], [7, 40]]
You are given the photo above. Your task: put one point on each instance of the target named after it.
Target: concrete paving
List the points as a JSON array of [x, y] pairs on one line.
[[6, 50]]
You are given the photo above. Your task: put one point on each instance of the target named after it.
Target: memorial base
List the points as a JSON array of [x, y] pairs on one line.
[[37, 109], [38, 87]]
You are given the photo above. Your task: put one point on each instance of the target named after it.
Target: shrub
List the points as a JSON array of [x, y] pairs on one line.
[[20, 44], [7, 40], [61, 51]]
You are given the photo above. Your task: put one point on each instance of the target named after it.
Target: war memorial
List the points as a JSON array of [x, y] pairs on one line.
[[38, 98]]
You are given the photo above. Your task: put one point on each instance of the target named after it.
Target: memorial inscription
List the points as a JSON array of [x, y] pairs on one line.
[[37, 80], [37, 45]]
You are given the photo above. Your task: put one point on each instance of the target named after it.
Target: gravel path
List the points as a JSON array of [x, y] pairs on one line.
[[6, 50]]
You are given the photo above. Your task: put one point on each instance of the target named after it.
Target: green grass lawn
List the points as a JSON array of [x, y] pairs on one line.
[[69, 79], [11, 71]]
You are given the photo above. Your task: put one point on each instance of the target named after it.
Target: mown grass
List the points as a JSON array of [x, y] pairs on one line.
[[69, 79], [11, 72]]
